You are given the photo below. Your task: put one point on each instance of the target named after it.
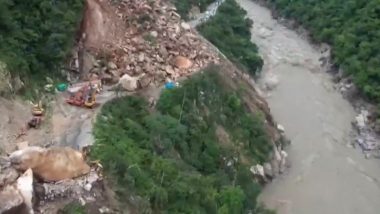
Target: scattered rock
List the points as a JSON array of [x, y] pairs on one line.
[[112, 66], [128, 46], [361, 119], [53, 164], [141, 57], [69, 188], [284, 156], [88, 187], [22, 145], [25, 186], [104, 210], [270, 81], [87, 62], [185, 26], [182, 62], [258, 170], [280, 128], [268, 170], [8, 176], [128, 83], [144, 80], [154, 34], [10, 199]]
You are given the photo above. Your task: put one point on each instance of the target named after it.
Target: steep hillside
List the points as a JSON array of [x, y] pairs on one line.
[[192, 153], [36, 36]]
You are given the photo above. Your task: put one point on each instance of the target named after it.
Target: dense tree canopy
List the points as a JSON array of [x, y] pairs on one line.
[[36, 35], [173, 159], [352, 27], [229, 30]]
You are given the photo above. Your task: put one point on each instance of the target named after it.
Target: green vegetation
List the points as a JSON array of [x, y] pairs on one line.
[[352, 27], [184, 6], [174, 159], [73, 208], [36, 35], [229, 30]]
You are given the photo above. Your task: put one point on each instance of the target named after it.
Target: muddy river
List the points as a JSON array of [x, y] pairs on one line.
[[326, 176]]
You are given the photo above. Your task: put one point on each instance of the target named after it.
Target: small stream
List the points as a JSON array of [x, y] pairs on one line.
[[326, 176]]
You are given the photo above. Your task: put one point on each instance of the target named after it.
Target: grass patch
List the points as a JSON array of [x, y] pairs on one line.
[[73, 208]]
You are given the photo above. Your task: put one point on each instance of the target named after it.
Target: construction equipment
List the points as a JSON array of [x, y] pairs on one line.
[[37, 109], [90, 99], [84, 97]]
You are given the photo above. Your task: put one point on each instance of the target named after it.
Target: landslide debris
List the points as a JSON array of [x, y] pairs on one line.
[[141, 38]]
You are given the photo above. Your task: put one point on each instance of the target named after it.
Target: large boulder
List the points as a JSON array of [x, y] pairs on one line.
[[53, 164], [129, 83], [182, 62], [270, 81]]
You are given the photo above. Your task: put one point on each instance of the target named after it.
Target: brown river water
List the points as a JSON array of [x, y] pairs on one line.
[[326, 176]]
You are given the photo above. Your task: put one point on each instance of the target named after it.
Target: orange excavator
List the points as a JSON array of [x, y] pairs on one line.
[[85, 97]]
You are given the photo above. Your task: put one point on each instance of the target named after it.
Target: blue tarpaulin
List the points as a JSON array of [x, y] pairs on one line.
[[169, 85]]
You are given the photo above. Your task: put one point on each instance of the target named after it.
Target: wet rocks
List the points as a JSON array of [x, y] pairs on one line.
[[280, 128], [365, 137], [361, 119], [270, 81], [268, 171], [258, 171]]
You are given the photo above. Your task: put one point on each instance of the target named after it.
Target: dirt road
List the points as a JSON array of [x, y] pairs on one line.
[[325, 175]]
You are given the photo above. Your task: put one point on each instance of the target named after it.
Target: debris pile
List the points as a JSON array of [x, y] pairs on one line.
[[149, 42]]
